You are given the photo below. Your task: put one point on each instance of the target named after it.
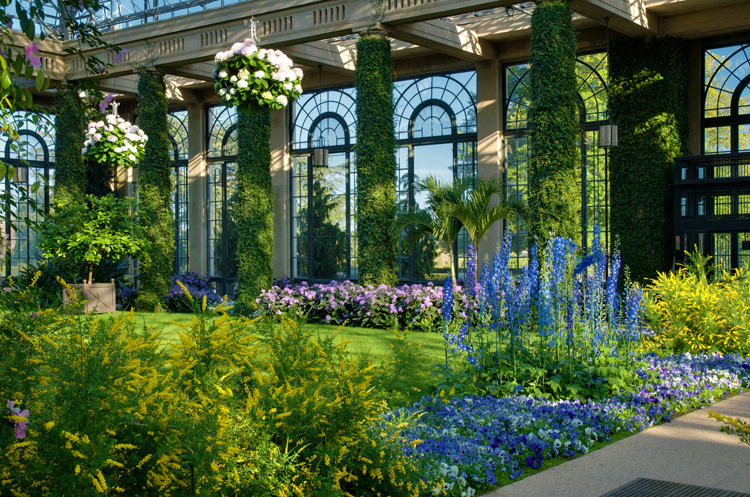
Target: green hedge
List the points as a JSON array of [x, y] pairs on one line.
[[376, 162], [155, 190], [554, 125], [649, 103], [70, 175], [254, 208]]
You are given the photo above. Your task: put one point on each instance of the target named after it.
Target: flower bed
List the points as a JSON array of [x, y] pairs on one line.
[[414, 306], [472, 442]]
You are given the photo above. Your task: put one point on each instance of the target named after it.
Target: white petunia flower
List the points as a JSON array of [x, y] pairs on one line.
[[223, 74], [131, 157], [97, 137], [111, 138], [242, 84], [84, 150], [233, 79], [282, 100], [260, 74]]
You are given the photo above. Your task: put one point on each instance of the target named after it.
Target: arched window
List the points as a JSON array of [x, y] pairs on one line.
[[324, 242], [436, 135], [222, 190], [726, 130], [178, 137], [726, 100], [32, 156], [591, 74]]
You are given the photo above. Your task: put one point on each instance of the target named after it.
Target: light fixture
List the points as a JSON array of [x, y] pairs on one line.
[[608, 130], [320, 154], [20, 175]]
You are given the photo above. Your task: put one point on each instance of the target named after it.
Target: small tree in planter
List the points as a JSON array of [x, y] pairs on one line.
[[84, 233]]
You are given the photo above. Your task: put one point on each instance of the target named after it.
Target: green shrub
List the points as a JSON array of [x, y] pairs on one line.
[[649, 85], [554, 125], [376, 162], [155, 190], [253, 208], [70, 176]]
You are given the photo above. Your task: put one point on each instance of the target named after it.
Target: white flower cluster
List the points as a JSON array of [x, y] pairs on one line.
[[247, 76], [115, 141]]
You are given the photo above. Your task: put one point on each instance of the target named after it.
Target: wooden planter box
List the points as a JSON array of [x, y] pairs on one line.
[[98, 297]]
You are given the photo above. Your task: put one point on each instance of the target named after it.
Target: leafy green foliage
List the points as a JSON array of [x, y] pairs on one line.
[[85, 233], [254, 207], [554, 127], [376, 162], [70, 176], [649, 82], [155, 190]]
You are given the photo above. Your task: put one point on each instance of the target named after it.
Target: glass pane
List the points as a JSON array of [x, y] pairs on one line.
[[329, 217], [722, 250], [431, 260], [517, 184], [232, 195], [743, 259], [717, 140]]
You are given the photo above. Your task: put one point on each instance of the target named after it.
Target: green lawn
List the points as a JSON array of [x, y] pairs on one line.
[[375, 343]]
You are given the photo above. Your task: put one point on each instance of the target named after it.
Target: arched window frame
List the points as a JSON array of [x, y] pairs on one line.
[[452, 93], [22, 242], [309, 113], [723, 125], [178, 138], [591, 74], [221, 164]]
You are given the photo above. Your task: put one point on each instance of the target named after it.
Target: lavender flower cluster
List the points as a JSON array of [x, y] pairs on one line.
[[198, 286], [416, 306], [472, 441]]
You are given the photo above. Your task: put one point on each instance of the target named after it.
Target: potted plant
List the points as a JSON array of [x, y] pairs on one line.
[[251, 78], [84, 233]]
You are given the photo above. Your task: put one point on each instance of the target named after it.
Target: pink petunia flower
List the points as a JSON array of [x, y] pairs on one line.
[[31, 56], [20, 426]]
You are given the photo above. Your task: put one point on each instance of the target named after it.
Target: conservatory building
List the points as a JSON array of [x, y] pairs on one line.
[[672, 75]]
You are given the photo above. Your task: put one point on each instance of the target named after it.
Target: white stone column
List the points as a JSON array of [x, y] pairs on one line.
[[280, 178], [197, 231], [490, 155]]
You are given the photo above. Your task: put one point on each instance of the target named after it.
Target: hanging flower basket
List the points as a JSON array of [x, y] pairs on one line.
[[114, 141], [251, 78]]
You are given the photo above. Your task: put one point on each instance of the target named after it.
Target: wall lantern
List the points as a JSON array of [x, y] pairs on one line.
[[608, 135], [320, 157], [20, 175], [320, 154]]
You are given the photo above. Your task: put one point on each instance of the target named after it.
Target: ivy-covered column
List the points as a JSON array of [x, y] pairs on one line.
[[70, 172], [253, 210], [376, 161], [554, 127], [649, 88], [155, 190]]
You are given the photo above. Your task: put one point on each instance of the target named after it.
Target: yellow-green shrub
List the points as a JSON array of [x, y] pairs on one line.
[[112, 411], [319, 402], [691, 313]]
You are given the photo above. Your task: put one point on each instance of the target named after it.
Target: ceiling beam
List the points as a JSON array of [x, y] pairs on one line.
[[445, 37], [629, 17], [338, 58]]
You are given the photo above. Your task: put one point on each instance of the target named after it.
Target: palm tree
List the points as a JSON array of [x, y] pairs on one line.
[[464, 204], [476, 213], [436, 220]]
